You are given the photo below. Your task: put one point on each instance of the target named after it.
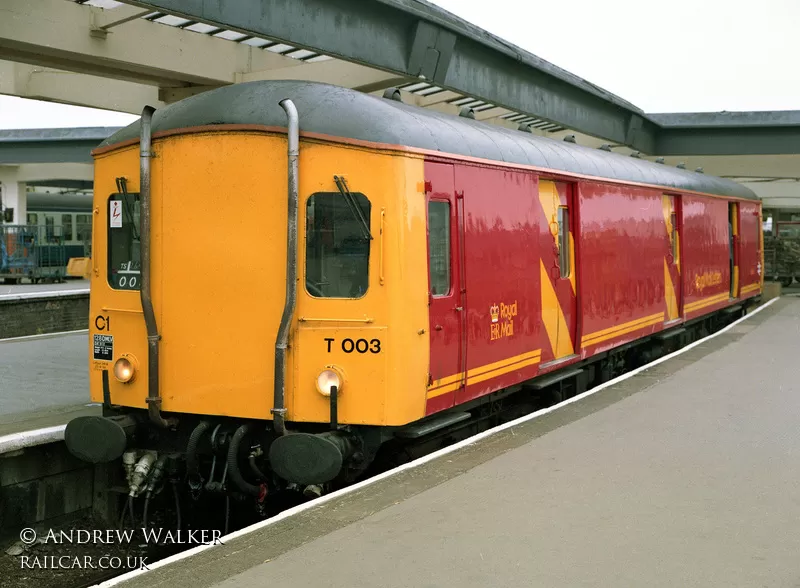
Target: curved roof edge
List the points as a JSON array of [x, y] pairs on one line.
[[341, 112]]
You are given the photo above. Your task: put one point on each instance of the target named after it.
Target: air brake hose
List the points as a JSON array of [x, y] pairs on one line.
[[233, 465], [192, 465]]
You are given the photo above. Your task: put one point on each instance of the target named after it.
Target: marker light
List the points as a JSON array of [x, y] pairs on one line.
[[124, 370], [328, 378]]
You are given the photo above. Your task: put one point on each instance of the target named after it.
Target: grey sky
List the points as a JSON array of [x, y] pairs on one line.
[[683, 56]]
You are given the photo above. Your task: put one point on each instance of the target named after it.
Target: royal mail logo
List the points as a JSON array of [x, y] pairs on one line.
[[502, 320], [708, 279]]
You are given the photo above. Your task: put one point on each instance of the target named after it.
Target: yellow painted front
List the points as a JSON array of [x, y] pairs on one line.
[[388, 387], [218, 278]]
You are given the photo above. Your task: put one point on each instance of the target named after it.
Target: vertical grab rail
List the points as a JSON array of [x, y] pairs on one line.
[[153, 395], [293, 135], [380, 267], [462, 299]]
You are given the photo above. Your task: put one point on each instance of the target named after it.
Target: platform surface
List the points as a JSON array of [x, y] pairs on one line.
[[44, 381], [9, 290], [687, 474]]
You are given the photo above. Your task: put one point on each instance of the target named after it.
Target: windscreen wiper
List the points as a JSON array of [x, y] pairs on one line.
[[122, 188], [341, 183]]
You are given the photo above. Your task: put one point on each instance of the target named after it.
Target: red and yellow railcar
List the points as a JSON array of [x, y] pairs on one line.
[[383, 271]]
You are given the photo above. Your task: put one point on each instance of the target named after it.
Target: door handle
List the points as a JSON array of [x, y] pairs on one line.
[[458, 308], [438, 327]]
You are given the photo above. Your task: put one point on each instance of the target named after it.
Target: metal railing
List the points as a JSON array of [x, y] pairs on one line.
[[34, 253]]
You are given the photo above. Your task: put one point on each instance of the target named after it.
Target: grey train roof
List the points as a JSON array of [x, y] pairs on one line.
[[341, 112]]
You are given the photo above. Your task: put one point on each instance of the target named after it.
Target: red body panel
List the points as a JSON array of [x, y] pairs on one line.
[[640, 258], [623, 242], [501, 245], [706, 254]]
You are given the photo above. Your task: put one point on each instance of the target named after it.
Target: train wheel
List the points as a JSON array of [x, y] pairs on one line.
[[785, 281]]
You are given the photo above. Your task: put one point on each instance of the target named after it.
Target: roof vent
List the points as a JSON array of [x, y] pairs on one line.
[[525, 128], [681, 165], [392, 94], [699, 170], [605, 147], [659, 160], [467, 112], [636, 154], [570, 139]]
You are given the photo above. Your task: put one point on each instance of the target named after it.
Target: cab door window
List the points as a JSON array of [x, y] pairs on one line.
[[124, 241], [337, 245]]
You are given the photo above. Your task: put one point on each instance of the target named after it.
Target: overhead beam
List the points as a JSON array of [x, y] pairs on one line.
[[50, 145], [41, 173], [58, 34], [340, 73], [422, 41], [41, 83], [753, 140]]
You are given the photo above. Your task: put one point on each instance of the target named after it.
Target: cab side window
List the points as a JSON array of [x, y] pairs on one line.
[[439, 247]]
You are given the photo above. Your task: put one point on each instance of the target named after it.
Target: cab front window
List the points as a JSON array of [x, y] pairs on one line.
[[337, 245], [124, 241]]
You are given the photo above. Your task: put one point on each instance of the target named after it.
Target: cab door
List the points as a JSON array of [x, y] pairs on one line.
[[673, 285], [557, 269], [445, 292], [733, 227]]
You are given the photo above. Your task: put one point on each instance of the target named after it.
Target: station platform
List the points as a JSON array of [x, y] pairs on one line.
[[684, 474], [11, 290], [44, 381]]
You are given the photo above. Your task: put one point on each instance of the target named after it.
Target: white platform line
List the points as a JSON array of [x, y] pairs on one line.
[[43, 336], [420, 461], [35, 295], [25, 439]]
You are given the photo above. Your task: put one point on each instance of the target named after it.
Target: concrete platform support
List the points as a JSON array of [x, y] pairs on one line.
[[42, 484], [22, 317], [12, 196]]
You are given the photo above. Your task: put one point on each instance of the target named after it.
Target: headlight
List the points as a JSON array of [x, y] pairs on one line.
[[328, 378], [124, 370]]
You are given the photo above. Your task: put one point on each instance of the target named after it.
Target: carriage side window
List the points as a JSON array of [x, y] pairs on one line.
[[563, 242], [33, 218], [337, 245], [439, 247], [124, 261], [50, 229], [83, 227], [66, 226]]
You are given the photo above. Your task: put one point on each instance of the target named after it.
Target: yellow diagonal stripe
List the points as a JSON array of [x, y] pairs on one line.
[[553, 318], [669, 294]]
